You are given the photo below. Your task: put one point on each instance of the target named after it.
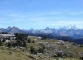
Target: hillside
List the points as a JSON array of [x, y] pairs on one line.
[[40, 49], [12, 54]]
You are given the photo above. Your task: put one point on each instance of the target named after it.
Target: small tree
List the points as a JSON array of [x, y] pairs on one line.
[[8, 38], [24, 44], [66, 40], [19, 43], [14, 45], [3, 40], [41, 50], [44, 37], [59, 55], [81, 58], [29, 40], [32, 50], [9, 45], [33, 41], [1, 43]]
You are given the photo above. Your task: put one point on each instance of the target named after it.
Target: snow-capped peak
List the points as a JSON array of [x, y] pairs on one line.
[[71, 27]]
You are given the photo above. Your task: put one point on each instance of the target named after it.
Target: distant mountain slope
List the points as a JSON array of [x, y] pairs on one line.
[[70, 31], [13, 30]]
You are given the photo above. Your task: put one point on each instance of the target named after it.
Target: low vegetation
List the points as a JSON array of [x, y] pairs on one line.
[[26, 47]]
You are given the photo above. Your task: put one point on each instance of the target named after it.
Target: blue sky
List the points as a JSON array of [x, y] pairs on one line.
[[40, 14]]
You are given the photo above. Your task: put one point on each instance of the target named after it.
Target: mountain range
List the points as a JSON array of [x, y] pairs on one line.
[[70, 31]]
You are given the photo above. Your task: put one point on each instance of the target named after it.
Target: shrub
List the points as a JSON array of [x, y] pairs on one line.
[[24, 44], [81, 58], [29, 40], [40, 50], [44, 37], [9, 45], [33, 41], [1, 43], [32, 50]]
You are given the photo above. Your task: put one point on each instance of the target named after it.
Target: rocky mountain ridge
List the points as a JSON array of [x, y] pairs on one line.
[[70, 31]]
